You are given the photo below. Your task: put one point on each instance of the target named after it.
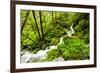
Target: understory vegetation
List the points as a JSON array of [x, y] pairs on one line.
[[42, 29]]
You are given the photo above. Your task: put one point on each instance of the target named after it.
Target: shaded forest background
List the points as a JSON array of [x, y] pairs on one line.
[[42, 29]]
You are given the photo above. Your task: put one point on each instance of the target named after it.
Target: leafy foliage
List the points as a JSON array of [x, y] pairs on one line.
[[71, 49], [45, 28]]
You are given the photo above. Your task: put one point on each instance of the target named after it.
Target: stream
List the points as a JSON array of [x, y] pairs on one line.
[[28, 57]]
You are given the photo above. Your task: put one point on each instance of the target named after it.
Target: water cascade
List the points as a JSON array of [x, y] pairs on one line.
[[70, 31], [27, 56]]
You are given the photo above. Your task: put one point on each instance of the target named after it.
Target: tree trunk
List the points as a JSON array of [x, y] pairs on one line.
[[42, 32], [24, 21], [52, 17], [37, 29], [41, 24], [36, 24]]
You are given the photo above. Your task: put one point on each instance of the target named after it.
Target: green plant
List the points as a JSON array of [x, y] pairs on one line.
[[45, 28]]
